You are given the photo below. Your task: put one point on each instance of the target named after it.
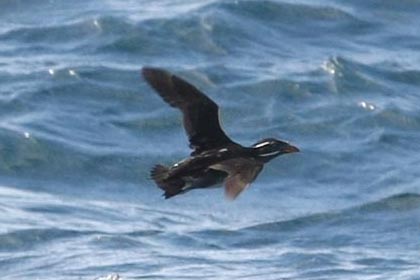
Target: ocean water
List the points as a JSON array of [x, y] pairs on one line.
[[80, 130]]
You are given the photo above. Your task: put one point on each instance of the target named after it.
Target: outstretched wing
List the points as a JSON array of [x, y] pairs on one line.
[[200, 113], [241, 173]]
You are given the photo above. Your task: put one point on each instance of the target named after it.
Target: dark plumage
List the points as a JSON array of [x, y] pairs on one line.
[[215, 158]]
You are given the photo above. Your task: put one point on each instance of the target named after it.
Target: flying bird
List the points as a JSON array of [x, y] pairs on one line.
[[215, 158]]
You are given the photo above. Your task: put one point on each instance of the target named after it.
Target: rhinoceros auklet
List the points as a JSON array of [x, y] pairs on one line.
[[215, 158]]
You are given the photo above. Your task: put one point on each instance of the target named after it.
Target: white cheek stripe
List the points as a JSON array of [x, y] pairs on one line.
[[270, 154], [262, 144]]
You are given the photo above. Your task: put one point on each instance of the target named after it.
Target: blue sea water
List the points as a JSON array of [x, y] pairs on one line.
[[80, 130]]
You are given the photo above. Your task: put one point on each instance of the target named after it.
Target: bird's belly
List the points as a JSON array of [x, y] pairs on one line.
[[209, 179], [197, 164]]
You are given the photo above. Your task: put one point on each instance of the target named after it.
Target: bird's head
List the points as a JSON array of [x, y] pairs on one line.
[[270, 148]]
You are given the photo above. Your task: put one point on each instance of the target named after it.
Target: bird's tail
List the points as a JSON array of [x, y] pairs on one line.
[[170, 186]]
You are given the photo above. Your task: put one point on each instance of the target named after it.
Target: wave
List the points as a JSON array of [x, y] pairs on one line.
[[213, 30], [275, 10], [56, 35], [369, 77], [266, 233], [27, 238], [396, 203]]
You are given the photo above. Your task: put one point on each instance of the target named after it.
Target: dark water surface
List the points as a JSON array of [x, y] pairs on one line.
[[80, 129]]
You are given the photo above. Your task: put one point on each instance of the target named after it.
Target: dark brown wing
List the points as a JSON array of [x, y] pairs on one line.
[[200, 113], [241, 173]]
